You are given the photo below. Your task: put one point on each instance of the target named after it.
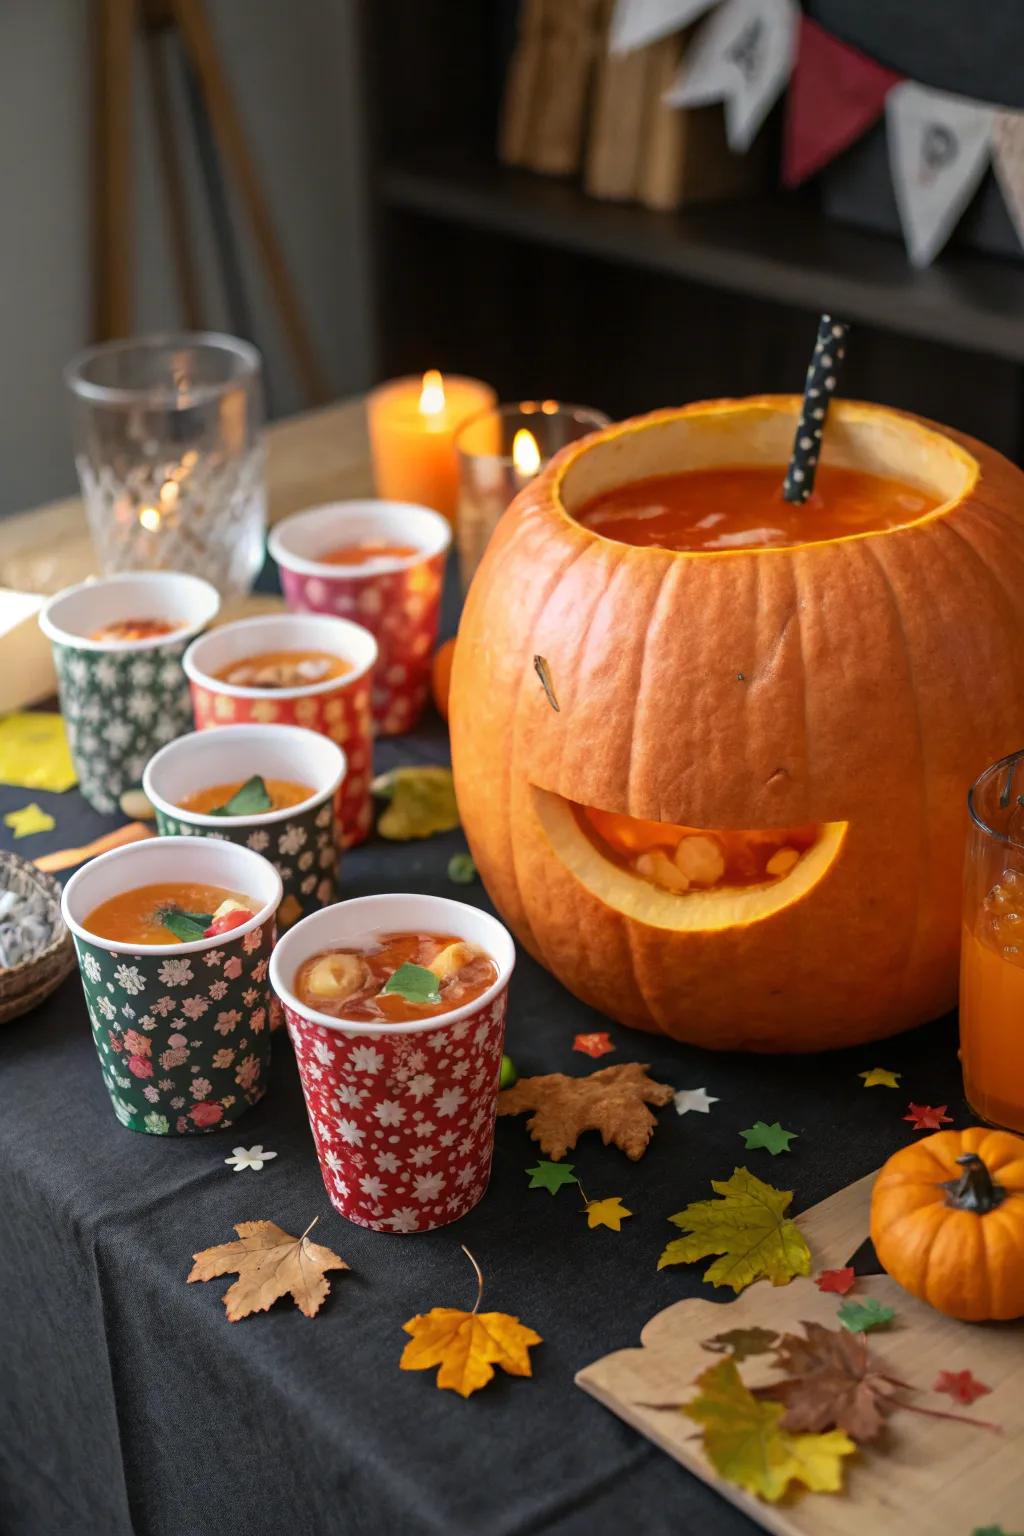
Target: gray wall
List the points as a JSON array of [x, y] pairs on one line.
[[293, 69]]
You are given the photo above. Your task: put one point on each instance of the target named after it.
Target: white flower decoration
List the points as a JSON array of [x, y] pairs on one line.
[[427, 1186], [448, 1102], [249, 1157], [129, 977], [175, 973], [258, 840], [291, 840], [92, 967], [365, 1058], [405, 1220]]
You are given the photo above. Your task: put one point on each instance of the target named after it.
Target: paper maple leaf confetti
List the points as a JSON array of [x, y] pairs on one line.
[[880, 1077], [468, 1345], [595, 1044], [748, 1227], [745, 1443], [926, 1117], [269, 1263], [832, 1381], [613, 1101], [551, 1176], [771, 1137], [29, 820], [860, 1316], [838, 1280], [694, 1098], [961, 1386], [609, 1212]]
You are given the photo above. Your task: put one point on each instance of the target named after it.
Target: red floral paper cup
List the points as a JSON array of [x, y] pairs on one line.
[[402, 1115], [338, 707], [397, 598]]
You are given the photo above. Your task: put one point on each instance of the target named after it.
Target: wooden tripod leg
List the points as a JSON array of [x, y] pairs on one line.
[[227, 128], [174, 184], [113, 221]]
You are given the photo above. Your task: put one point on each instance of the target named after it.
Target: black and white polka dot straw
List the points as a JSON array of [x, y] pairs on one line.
[[822, 376]]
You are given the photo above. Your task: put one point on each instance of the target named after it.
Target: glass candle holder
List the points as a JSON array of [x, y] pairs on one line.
[[499, 452], [168, 434], [992, 953]]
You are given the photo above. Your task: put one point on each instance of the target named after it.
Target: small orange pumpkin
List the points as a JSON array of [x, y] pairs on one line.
[[441, 676], [947, 1222]]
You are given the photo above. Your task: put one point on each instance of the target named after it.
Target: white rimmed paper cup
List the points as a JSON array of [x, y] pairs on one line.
[[402, 1115], [338, 707], [122, 699], [182, 1031], [299, 840], [398, 599]]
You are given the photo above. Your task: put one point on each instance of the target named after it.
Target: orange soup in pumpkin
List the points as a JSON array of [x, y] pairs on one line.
[[282, 792], [134, 629], [742, 507], [430, 973], [366, 551], [137, 917], [284, 669]]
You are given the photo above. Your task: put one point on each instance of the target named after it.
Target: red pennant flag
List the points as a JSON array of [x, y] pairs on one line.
[[836, 93]]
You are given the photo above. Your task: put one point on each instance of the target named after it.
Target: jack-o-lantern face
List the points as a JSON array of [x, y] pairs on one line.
[[838, 695]]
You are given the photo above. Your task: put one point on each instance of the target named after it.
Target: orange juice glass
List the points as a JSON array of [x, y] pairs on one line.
[[992, 956]]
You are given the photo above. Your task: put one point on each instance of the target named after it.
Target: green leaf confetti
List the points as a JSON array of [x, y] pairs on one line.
[[461, 869], [860, 1316]]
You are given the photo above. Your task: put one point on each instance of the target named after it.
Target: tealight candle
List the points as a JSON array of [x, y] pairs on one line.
[[412, 424]]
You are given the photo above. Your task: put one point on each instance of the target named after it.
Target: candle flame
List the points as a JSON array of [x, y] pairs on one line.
[[432, 393], [525, 453], [149, 517]]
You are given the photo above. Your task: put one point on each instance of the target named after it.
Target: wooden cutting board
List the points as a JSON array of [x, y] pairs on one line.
[[929, 1477]]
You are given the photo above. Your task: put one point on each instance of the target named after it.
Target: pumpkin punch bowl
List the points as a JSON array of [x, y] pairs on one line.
[[743, 825]]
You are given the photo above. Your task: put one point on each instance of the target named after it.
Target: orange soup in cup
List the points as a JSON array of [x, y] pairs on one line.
[[399, 978], [134, 629], [143, 915], [282, 792], [284, 669], [367, 550]]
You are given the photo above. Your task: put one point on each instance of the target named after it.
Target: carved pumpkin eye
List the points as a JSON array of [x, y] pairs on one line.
[[687, 878]]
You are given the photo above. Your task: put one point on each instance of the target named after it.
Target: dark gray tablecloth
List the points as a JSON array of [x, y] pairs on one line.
[[128, 1403]]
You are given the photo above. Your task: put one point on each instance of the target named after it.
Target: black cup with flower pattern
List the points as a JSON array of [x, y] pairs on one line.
[[301, 840], [123, 698], [182, 1031]]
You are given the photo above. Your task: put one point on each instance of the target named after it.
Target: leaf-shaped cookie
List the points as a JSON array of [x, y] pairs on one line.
[[748, 1227], [269, 1263], [613, 1101]]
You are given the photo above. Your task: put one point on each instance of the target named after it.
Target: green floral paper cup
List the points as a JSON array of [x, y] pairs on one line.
[[122, 699], [182, 1031], [301, 840]]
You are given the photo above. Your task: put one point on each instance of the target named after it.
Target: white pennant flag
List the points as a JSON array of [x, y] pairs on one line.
[[1008, 161], [639, 22], [939, 148], [742, 56]]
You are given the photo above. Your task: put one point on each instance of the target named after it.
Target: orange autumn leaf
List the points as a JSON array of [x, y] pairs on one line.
[[467, 1345], [269, 1263]]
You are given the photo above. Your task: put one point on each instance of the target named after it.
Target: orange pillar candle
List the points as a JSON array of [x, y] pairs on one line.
[[412, 424]]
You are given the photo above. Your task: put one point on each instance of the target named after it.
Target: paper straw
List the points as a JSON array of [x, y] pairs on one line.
[[822, 376]]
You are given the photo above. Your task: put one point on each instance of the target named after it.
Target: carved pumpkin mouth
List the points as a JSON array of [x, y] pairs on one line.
[[687, 878]]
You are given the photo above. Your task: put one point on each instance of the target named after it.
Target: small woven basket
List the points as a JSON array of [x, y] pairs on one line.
[[26, 985]]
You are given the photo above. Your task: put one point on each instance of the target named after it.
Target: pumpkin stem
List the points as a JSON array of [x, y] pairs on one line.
[[975, 1189]]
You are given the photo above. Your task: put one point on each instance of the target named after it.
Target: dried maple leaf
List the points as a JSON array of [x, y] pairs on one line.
[[832, 1381], [468, 1345], [746, 1444], [748, 1227], [269, 1263], [613, 1101], [741, 1343], [961, 1386]]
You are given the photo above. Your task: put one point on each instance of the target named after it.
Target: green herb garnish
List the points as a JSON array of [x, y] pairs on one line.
[[186, 926], [413, 982], [250, 799], [461, 869]]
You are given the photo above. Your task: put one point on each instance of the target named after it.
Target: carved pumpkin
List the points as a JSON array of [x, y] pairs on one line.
[[851, 686], [947, 1222]]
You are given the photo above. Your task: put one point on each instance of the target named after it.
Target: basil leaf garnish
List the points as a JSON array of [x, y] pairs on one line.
[[250, 799], [413, 982], [186, 926]]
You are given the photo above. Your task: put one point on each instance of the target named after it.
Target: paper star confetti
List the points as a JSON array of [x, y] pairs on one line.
[[961, 1386], [880, 1077], [771, 1137], [926, 1117], [249, 1157], [29, 820], [694, 1098], [609, 1212], [838, 1280], [860, 1316], [551, 1176], [597, 1044]]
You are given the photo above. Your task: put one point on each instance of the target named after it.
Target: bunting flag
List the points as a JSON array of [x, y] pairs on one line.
[[835, 95], [1008, 164], [635, 23], [939, 149], [742, 56]]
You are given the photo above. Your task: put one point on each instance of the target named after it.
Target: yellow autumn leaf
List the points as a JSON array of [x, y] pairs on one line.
[[607, 1213], [422, 802], [748, 1228], [745, 1445], [467, 1346]]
